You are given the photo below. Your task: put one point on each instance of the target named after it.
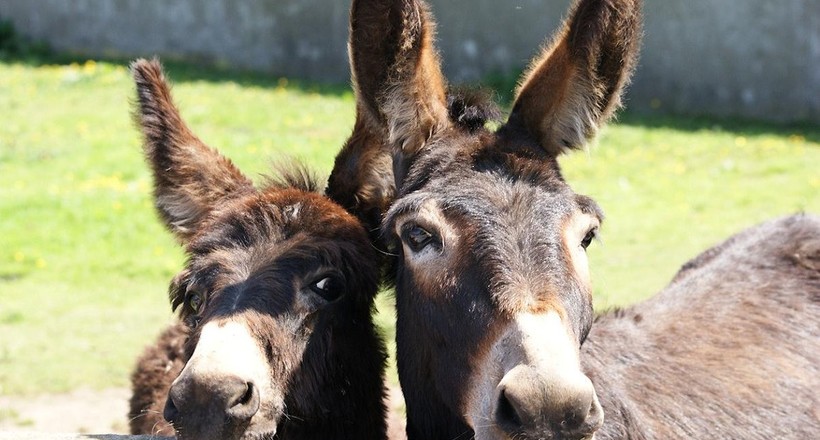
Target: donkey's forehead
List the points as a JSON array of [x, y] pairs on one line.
[[454, 156], [274, 217], [492, 185], [269, 243]]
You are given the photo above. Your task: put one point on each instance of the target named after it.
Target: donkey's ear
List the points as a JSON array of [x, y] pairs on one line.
[[362, 178], [190, 179], [397, 73], [575, 85]]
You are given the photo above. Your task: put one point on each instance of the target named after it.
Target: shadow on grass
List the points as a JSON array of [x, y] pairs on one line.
[[736, 126]]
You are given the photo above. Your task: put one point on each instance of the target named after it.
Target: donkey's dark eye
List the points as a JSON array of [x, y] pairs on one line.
[[194, 301], [328, 288], [591, 235], [417, 238]]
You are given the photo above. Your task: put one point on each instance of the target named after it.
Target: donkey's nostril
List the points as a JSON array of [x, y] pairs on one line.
[[507, 412], [247, 396], [170, 412], [245, 402]]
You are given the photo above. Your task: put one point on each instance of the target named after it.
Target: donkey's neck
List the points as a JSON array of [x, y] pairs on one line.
[[604, 368]]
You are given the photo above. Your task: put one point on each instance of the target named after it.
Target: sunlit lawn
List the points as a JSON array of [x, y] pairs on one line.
[[84, 263]]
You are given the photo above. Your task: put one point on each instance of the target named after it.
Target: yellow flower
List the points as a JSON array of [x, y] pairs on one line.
[[90, 67], [19, 256]]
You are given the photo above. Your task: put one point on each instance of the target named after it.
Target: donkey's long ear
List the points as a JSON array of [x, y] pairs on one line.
[[362, 178], [398, 73], [190, 179], [575, 86], [400, 101]]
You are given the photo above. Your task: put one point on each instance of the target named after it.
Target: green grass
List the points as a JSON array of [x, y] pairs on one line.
[[673, 187], [84, 262]]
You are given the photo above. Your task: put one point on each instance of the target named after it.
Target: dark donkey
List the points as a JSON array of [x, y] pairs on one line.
[[277, 296], [495, 332]]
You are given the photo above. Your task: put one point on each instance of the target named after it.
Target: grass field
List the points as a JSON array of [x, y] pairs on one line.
[[84, 263]]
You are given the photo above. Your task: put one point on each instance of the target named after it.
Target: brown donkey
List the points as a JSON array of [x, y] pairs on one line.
[[495, 334], [276, 295]]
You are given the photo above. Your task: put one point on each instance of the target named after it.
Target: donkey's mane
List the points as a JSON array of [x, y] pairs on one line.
[[294, 174], [472, 108]]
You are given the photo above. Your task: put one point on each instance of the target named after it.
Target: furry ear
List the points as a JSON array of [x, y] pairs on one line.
[[575, 85], [397, 73], [362, 178], [190, 179], [400, 100]]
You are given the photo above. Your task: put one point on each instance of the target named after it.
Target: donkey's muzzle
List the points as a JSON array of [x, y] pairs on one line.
[[531, 404], [205, 407]]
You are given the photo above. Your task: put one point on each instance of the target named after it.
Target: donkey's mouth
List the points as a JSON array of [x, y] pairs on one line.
[[260, 430], [270, 435]]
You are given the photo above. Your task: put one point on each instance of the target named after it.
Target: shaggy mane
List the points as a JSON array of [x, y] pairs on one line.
[[294, 174], [472, 108]]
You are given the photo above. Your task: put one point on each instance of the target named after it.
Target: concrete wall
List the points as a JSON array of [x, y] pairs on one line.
[[292, 37], [751, 58]]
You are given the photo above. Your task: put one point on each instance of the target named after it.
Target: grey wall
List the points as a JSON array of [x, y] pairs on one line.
[[750, 58], [290, 37]]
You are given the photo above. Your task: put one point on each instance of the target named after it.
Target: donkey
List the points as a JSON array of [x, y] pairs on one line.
[[276, 298], [494, 333]]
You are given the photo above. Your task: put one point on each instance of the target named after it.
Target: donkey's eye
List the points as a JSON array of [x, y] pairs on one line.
[[591, 235], [194, 301], [417, 238], [328, 288]]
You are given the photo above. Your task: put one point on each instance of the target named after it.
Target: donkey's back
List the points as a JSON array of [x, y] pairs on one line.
[[730, 349]]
